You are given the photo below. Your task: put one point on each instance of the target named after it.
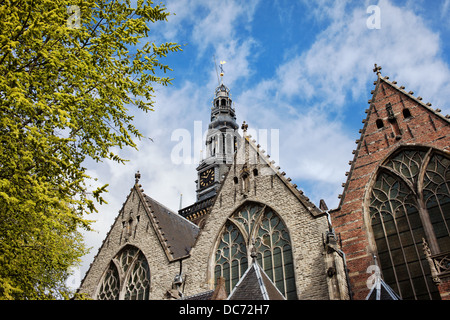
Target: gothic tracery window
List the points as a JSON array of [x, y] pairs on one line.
[[259, 227], [127, 277], [409, 201], [274, 252], [231, 256], [109, 287]]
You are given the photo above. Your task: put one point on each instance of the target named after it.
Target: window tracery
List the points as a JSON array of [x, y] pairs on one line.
[[255, 226], [409, 201], [127, 277], [109, 287], [231, 256]]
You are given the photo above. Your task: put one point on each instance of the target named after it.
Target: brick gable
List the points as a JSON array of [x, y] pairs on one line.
[[395, 118]]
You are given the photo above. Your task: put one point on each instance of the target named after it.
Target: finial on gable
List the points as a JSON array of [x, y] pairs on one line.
[[137, 176], [377, 69], [244, 127]]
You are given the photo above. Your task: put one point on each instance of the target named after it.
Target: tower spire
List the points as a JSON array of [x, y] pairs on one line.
[[221, 141]]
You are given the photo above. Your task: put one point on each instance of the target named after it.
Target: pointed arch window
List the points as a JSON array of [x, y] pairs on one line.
[[127, 277], [231, 256], [109, 287], [256, 226], [410, 201]]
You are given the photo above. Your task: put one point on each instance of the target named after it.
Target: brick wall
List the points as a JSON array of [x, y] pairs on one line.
[[423, 127], [444, 288]]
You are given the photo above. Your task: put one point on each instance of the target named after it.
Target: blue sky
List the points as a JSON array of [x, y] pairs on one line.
[[301, 69]]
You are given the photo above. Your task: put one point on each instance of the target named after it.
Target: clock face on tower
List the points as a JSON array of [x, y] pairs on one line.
[[207, 177]]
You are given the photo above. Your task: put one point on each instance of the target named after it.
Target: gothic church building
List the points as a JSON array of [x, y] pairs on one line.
[[253, 234]]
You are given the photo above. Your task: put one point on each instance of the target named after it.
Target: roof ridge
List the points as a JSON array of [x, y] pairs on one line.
[[378, 287], [206, 294], [158, 203]]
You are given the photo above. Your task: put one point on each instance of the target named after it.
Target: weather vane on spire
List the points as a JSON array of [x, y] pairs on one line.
[[221, 67], [222, 62]]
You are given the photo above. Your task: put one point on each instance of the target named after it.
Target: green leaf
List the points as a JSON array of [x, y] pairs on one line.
[[65, 96]]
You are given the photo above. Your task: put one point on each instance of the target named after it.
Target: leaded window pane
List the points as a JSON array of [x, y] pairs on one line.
[[231, 250], [436, 191], [109, 287], [263, 229], [274, 253], [397, 222], [138, 282], [407, 164], [128, 277], [126, 257], [247, 216]]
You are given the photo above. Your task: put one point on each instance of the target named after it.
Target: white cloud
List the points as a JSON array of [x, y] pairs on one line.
[[310, 91], [313, 149], [340, 61], [445, 9], [160, 178], [237, 55], [207, 22]]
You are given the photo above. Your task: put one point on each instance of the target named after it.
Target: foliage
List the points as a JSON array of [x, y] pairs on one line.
[[68, 78]]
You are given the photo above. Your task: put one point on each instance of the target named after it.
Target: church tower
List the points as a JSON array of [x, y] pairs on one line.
[[221, 144]]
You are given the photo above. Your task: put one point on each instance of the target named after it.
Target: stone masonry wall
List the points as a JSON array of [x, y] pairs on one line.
[[269, 187], [266, 188], [142, 236]]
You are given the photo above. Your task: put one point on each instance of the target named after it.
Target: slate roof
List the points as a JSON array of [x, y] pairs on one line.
[[255, 285], [177, 234]]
